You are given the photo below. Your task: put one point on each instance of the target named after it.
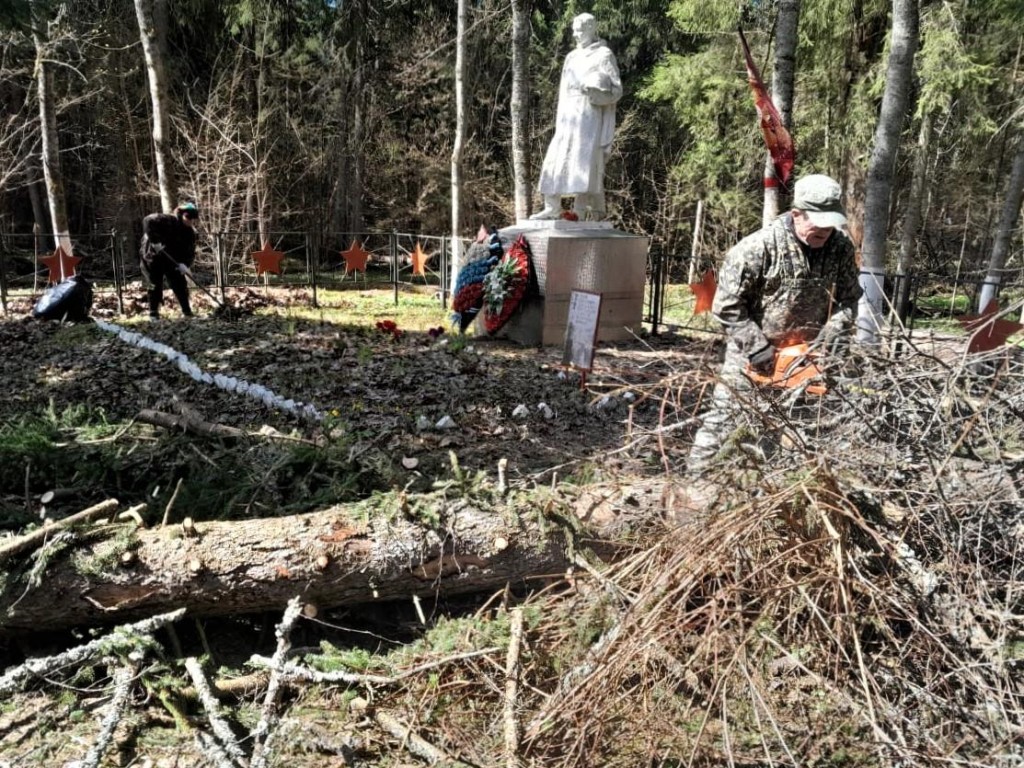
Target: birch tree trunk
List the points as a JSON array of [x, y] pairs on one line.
[[152, 35], [261, 141], [1004, 232], [912, 218], [521, 106], [783, 75], [357, 152], [895, 103], [50, 142], [460, 129]]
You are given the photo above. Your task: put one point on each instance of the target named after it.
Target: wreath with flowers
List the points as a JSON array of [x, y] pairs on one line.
[[505, 285]]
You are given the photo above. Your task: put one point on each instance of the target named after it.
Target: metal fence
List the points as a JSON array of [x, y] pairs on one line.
[[314, 260], [918, 296]]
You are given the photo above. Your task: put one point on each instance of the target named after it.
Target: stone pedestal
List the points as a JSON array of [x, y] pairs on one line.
[[582, 256]]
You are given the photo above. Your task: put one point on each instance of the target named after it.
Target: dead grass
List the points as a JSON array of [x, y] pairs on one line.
[[849, 600]]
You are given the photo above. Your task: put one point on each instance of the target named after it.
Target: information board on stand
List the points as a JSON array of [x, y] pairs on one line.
[[581, 331]]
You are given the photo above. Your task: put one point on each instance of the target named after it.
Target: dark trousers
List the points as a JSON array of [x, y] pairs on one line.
[[153, 274]]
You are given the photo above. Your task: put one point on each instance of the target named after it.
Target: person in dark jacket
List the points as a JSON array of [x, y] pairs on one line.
[[168, 251]]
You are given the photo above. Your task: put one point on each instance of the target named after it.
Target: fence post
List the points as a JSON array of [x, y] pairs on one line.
[[35, 257], [222, 268], [394, 262], [3, 279], [312, 255], [115, 263], [656, 261], [444, 272]]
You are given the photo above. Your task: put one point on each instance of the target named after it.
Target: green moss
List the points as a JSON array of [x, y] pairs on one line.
[[334, 659], [106, 556]]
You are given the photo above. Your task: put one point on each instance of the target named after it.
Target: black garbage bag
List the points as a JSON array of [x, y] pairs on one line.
[[69, 300]]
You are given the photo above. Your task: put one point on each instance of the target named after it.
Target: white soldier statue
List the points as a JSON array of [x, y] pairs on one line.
[[584, 125]]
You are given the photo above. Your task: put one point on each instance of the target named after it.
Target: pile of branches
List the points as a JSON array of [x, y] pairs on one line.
[[850, 595], [847, 596]]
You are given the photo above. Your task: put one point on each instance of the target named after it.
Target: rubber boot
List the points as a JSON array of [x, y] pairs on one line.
[[156, 297]]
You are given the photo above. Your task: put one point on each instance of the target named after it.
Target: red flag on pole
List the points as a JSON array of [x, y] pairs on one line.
[[776, 137]]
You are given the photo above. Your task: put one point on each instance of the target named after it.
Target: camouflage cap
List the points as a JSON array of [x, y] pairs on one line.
[[820, 197]]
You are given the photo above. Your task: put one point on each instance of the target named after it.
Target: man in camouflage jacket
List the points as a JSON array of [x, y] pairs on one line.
[[794, 281]]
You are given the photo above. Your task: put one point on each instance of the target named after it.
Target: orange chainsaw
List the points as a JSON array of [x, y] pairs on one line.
[[794, 367]]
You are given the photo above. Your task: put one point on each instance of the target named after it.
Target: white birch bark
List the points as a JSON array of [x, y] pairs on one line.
[[783, 75], [147, 11], [261, 142], [895, 104], [460, 130], [50, 155]]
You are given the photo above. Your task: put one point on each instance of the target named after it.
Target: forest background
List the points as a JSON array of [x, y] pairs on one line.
[[852, 601], [340, 117]]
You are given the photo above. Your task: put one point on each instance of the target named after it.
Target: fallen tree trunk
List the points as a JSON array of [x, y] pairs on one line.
[[344, 555]]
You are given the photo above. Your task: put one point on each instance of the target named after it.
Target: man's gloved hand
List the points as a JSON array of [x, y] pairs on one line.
[[763, 361], [184, 269]]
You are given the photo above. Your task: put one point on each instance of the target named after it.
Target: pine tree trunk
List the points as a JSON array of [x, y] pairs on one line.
[[151, 33], [521, 106], [895, 104], [1007, 223], [912, 218], [334, 557]]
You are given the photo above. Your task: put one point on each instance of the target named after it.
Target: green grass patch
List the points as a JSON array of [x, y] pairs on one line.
[[678, 301], [415, 311]]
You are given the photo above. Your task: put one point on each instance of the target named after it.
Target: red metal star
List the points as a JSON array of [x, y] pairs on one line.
[[267, 260], [419, 260], [355, 258], [60, 264], [987, 330], [705, 293]]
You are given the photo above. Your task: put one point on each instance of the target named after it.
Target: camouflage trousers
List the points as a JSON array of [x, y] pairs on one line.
[[731, 407]]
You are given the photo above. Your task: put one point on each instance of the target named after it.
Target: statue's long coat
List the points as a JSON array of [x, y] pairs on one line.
[[584, 124]]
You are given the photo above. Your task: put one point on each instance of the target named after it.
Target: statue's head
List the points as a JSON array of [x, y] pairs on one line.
[[584, 29]]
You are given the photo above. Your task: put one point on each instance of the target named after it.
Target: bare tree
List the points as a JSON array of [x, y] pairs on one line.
[[783, 75], [912, 217], [50, 140], [152, 35], [521, 105], [17, 128], [895, 101], [457, 143], [1007, 223]]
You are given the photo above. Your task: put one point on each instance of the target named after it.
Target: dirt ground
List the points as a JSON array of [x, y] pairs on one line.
[[367, 384], [381, 398], [843, 535]]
